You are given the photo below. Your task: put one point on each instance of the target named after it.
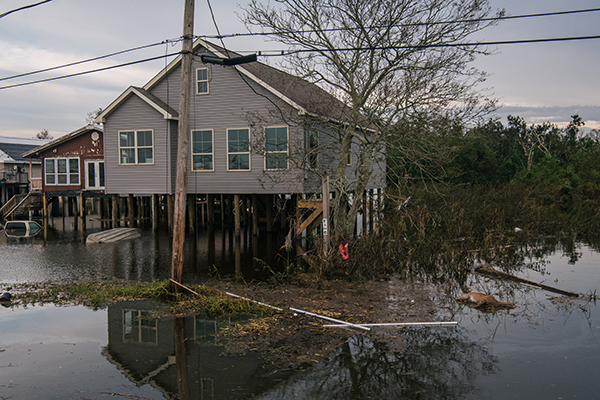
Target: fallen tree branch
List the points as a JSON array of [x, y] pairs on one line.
[[499, 274]]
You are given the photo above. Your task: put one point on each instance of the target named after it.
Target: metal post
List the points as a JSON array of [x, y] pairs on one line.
[[325, 215]]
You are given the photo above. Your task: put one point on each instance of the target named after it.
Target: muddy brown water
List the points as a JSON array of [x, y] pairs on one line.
[[546, 348]]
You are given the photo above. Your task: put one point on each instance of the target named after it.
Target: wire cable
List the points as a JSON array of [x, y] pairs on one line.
[[489, 19], [23, 8], [90, 59], [280, 53], [88, 72]]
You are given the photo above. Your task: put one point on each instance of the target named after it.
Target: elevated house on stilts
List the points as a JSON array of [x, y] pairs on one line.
[[256, 142], [72, 171]]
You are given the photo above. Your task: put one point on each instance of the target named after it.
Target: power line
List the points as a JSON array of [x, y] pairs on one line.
[[489, 19], [23, 8], [280, 53], [89, 59], [88, 72]]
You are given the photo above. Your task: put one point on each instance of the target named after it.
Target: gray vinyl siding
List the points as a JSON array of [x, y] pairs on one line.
[[328, 160], [232, 104], [135, 114]]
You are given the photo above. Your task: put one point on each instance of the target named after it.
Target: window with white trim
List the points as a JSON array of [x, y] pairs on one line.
[[140, 327], [202, 150], [313, 149], [136, 147], [202, 81], [238, 149], [61, 171], [276, 140]]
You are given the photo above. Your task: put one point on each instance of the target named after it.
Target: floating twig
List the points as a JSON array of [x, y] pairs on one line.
[[347, 324], [131, 396]]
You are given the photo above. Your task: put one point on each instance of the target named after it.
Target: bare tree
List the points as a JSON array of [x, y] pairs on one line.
[[43, 134], [389, 61], [91, 116]]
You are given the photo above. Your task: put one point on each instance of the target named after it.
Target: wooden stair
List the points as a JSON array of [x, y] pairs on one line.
[[19, 206]]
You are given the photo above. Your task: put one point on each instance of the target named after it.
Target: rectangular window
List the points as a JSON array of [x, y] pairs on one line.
[[276, 148], [238, 149], [202, 81], [313, 149], [139, 327], [202, 150], [61, 171], [50, 171], [136, 147]]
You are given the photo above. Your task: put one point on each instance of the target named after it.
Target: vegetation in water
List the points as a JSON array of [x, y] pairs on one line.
[[99, 294], [500, 188]]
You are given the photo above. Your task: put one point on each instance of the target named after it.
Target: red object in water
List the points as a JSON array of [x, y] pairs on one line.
[[344, 251]]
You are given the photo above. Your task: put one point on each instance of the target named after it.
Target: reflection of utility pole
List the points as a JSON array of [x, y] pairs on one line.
[[182, 144]]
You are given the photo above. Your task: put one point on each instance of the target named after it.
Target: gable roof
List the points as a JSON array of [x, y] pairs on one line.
[[305, 97], [12, 149], [64, 138], [167, 111]]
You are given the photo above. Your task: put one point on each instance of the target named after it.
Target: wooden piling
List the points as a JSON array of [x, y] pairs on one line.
[[191, 207], [210, 211], [269, 207], [255, 215], [170, 210], [130, 211], [237, 216], [155, 212]]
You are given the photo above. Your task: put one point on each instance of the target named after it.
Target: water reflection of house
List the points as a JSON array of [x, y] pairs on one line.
[[143, 346], [17, 173]]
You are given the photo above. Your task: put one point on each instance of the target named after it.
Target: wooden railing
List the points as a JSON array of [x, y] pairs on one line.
[[35, 183]]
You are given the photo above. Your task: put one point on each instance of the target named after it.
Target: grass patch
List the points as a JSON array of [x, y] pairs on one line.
[[98, 295]]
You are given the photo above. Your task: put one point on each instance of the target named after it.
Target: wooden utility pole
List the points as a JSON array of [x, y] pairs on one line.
[[182, 144]]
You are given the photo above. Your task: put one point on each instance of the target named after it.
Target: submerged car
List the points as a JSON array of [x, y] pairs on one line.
[[22, 228]]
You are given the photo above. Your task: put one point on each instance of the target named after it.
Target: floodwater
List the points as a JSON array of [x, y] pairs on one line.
[[546, 348]]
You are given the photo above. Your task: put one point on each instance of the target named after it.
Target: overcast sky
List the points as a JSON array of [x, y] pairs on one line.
[[540, 82]]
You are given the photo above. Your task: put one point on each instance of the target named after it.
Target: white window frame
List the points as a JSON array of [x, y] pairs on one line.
[[96, 185], [277, 152], [312, 151], [136, 324], [239, 152], [212, 153], [198, 81], [68, 174], [136, 147]]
